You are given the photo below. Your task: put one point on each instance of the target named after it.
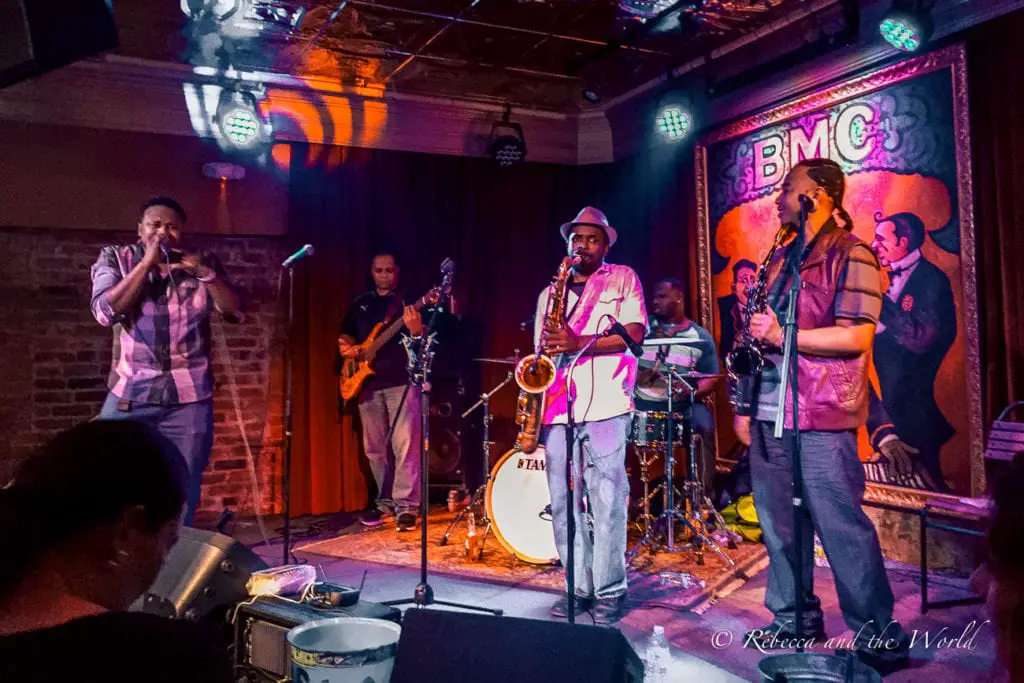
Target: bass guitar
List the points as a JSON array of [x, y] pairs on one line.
[[355, 370]]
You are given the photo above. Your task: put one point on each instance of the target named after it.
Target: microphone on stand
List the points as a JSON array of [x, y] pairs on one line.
[[306, 250], [616, 328]]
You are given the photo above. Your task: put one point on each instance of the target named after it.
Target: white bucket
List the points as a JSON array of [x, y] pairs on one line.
[[343, 650]]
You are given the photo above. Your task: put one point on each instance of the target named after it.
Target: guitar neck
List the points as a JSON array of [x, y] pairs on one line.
[[393, 329]]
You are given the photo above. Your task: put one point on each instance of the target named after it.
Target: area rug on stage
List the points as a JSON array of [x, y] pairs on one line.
[[384, 545]]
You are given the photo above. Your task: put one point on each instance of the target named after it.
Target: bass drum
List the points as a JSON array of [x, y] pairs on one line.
[[519, 506]]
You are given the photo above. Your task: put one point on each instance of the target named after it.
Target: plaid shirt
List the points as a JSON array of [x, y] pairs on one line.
[[162, 349]]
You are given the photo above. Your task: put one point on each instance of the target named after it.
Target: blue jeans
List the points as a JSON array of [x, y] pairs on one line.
[[189, 426], [601, 501], [396, 470], [833, 490]]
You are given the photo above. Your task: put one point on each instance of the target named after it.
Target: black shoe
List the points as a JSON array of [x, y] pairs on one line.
[[609, 610], [374, 517], [892, 662], [561, 608], [406, 521], [778, 637]]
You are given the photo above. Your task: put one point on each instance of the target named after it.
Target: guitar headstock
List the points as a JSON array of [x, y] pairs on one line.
[[443, 291]]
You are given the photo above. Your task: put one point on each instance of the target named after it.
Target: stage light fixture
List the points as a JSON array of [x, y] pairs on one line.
[[907, 25], [274, 16], [645, 9], [239, 122], [674, 122], [508, 146]]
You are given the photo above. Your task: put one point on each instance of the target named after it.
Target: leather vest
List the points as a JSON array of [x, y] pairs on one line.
[[833, 391]]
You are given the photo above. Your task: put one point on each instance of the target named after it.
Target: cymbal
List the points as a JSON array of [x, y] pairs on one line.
[[701, 375], [507, 360]]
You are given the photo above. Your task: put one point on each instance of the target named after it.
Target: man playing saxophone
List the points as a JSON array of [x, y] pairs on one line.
[[598, 295], [837, 310]]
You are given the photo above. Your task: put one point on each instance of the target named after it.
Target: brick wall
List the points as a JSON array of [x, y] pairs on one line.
[[54, 358]]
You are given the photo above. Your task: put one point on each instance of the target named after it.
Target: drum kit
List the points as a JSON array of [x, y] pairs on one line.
[[516, 504]]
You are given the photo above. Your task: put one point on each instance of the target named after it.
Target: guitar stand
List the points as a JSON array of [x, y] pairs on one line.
[[479, 495]]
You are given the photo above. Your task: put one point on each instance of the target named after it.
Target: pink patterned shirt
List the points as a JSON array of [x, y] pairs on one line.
[[602, 384]]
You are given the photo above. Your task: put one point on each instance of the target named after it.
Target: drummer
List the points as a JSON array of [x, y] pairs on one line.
[[698, 355]]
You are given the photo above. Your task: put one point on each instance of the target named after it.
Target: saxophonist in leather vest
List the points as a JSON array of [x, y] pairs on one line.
[[573, 316], [839, 303]]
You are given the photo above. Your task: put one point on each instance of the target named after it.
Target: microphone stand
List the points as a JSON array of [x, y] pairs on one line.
[[287, 474], [789, 378], [419, 375], [570, 521]]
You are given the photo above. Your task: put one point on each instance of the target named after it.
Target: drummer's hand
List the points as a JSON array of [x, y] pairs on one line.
[[560, 340], [741, 425]]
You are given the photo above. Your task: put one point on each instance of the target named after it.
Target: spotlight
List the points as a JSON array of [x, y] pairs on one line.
[[674, 123], [907, 25], [508, 146], [591, 95], [274, 16], [238, 123], [645, 9]]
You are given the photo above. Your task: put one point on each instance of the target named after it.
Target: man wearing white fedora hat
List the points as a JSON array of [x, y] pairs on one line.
[[600, 294]]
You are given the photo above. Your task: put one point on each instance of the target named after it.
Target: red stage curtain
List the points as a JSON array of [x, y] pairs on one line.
[[500, 226], [995, 56]]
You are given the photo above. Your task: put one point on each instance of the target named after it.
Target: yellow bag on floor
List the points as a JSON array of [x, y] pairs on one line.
[[741, 517]]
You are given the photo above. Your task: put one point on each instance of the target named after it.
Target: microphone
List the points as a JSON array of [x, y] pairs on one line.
[[526, 323], [807, 204], [617, 329], [307, 250]]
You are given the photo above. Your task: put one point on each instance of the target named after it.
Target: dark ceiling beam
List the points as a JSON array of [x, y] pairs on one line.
[[412, 57], [392, 52], [319, 34], [515, 29], [632, 36]]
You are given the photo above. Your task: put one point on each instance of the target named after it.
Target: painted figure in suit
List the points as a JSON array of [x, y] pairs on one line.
[[916, 329], [730, 308]]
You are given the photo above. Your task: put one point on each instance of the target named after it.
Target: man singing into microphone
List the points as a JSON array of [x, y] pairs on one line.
[[158, 298], [600, 294], [837, 311]]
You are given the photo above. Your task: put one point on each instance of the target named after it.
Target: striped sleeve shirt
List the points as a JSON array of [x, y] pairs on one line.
[[859, 290], [858, 298]]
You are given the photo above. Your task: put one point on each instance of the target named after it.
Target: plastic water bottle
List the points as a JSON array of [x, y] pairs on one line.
[[820, 560], [658, 657]]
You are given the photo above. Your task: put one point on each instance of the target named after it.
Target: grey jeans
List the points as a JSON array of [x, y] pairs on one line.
[[834, 488], [396, 469], [189, 426], [600, 502]]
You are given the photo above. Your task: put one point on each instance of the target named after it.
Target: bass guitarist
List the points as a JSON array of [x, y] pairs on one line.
[[396, 470]]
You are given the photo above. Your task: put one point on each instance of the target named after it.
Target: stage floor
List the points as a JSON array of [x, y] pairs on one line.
[[706, 647]]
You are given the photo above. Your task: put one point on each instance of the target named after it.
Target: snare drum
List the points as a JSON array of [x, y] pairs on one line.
[[650, 428], [519, 506]]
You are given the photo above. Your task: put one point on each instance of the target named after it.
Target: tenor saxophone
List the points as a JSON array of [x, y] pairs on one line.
[[746, 360], [536, 372]]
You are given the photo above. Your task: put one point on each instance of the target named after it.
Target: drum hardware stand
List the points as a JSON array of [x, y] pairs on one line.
[[643, 523], [419, 375], [692, 517], [481, 491]]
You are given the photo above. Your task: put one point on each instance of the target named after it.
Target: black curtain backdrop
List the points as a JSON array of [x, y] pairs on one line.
[[995, 56], [500, 226]]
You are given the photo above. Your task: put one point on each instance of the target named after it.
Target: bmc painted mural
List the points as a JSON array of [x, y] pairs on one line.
[[896, 134]]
